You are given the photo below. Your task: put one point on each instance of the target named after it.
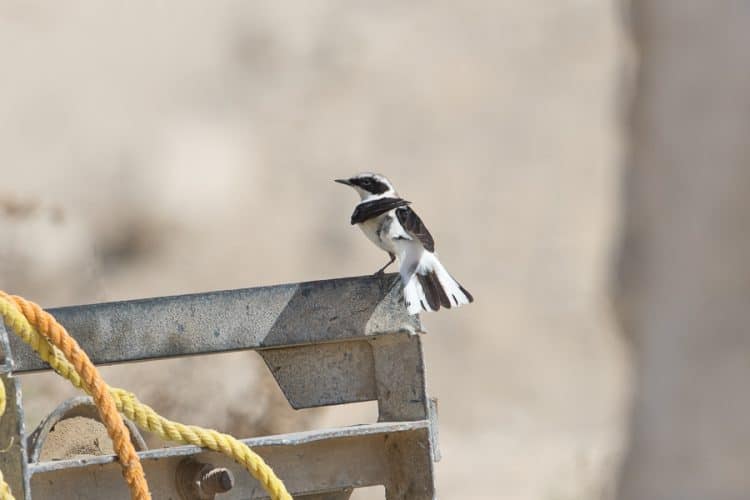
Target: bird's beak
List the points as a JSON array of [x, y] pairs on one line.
[[343, 181]]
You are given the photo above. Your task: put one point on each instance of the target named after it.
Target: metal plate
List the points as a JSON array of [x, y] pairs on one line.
[[251, 318], [395, 455]]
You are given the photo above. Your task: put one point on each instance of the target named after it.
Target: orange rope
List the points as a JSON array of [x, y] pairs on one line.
[[111, 418]]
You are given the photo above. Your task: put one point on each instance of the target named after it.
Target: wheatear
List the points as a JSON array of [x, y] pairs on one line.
[[388, 221]]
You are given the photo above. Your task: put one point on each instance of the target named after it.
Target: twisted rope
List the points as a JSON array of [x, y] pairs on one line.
[[144, 416], [46, 325]]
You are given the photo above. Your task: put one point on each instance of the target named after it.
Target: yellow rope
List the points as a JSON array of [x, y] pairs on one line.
[[5, 493], [144, 416], [2, 399], [92, 381]]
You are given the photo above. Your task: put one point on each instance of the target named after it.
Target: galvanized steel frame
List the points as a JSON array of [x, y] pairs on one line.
[[325, 342]]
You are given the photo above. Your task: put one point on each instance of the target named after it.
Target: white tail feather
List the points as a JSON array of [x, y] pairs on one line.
[[414, 294]]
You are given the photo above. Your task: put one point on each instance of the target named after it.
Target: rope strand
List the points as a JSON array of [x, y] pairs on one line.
[[46, 325], [144, 416]]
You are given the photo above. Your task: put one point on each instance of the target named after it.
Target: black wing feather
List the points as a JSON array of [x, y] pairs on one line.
[[415, 227], [370, 209]]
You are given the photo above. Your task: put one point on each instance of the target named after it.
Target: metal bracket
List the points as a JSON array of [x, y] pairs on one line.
[[326, 342]]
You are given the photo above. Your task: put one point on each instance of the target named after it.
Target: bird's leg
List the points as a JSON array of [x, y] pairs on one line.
[[381, 271]]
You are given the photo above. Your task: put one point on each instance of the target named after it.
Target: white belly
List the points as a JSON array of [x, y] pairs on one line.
[[376, 229]]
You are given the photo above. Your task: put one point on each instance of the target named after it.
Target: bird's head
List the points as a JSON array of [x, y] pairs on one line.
[[370, 185]]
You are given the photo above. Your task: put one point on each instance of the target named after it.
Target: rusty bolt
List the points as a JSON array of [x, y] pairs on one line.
[[199, 481], [215, 480]]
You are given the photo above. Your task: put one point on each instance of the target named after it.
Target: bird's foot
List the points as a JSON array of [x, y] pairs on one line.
[[381, 271]]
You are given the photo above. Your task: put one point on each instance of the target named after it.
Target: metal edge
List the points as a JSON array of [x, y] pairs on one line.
[[16, 445], [277, 440], [381, 318]]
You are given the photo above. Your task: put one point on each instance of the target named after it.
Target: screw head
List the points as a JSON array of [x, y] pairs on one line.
[[200, 481]]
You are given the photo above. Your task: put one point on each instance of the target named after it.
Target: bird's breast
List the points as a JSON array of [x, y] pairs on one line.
[[376, 230]]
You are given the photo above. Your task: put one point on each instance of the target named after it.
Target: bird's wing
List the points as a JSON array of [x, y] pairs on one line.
[[414, 226], [369, 209]]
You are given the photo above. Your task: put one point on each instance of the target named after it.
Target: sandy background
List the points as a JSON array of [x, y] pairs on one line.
[[152, 148]]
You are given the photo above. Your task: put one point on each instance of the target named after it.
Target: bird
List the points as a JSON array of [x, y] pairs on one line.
[[391, 224]]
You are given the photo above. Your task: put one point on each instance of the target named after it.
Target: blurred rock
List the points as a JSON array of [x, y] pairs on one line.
[[684, 278]]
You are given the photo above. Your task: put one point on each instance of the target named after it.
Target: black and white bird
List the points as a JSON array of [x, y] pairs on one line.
[[389, 222]]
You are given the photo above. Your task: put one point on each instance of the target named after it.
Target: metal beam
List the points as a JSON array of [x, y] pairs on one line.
[[326, 342], [334, 460], [13, 455], [399, 376], [331, 495], [251, 318]]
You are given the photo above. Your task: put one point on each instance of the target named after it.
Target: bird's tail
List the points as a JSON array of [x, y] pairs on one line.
[[429, 286]]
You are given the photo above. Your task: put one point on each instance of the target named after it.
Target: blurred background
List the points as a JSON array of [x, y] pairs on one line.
[[154, 148]]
